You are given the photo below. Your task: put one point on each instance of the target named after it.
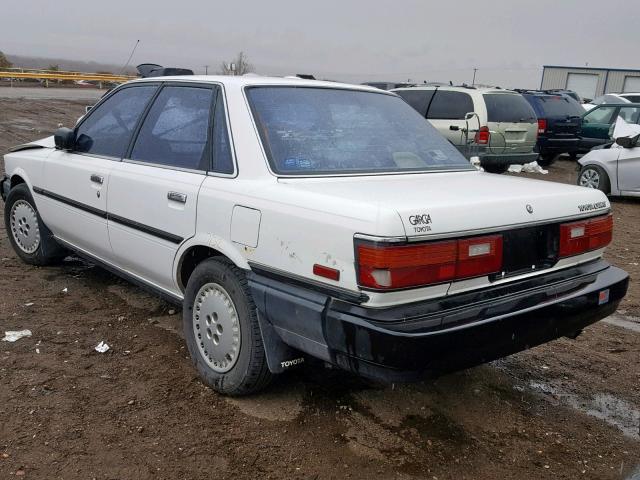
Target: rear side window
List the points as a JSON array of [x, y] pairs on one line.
[[108, 128], [175, 131], [418, 99], [222, 158], [507, 107], [450, 105], [559, 106]]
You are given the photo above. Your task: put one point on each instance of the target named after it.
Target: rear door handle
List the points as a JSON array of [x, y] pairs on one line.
[[177, 197], [95, 178]]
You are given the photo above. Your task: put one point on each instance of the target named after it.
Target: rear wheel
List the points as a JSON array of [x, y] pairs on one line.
[[593, 176], [496, 168], [546, 159], [29, 236], [221, 329]]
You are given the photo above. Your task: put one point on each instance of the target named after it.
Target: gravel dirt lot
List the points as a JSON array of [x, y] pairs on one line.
[[569, 409]]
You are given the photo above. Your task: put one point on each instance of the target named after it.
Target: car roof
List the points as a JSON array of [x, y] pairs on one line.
[[256, 80], [468, 89]]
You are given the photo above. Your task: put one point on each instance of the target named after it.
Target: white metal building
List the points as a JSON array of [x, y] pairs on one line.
[[590, 82]]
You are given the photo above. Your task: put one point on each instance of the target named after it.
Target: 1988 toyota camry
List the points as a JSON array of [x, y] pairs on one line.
[[296, 218]]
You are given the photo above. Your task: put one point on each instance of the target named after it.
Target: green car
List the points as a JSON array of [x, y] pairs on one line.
[[597, 123]]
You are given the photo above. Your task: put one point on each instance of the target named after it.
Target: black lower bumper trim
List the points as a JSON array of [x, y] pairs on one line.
[[424, 339], [5, 186]]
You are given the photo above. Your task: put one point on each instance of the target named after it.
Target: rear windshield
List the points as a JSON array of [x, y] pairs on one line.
[[559, 106], [315, 131], [508, 107]]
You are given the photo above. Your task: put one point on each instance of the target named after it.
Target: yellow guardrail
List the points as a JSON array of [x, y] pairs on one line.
[[62, 75]]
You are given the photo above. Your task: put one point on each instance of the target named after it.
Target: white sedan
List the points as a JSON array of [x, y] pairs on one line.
[[614, 169], [294, 219]]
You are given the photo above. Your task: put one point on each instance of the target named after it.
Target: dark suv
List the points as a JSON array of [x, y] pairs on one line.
[[558, 124]]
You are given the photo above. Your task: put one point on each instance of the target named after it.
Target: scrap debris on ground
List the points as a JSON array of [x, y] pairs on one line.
[[565, 410]]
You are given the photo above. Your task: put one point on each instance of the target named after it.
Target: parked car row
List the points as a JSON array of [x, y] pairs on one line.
[[498, 126], [505, 127]]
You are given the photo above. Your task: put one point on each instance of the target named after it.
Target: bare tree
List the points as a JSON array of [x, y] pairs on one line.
[[4, 63], [238, 66]]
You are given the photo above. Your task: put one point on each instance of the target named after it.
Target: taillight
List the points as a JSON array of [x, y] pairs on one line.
[[586, 235], [542, 125], [388, 266], [483, 136]]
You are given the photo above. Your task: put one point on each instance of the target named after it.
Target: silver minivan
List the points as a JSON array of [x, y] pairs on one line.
[[496, 125]]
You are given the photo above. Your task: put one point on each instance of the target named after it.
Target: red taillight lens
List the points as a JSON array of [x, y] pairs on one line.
[[400, 266], [483, 136], [542, 125], [584, 236]]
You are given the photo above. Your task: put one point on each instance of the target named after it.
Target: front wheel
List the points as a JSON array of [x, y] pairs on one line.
[[593, 176], [221, 329], [29, 236]]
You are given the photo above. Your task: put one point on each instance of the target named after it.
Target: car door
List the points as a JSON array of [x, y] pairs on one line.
[[595, 126], [629, 170], [153, 193], [74, 188]]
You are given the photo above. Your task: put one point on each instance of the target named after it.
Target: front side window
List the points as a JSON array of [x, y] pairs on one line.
[[450, 105], [600, 115], [175, 131], [316, 131], [508, 107], [108, 128]]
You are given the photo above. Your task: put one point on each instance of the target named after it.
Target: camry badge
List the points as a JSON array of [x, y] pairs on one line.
[[529, 208]]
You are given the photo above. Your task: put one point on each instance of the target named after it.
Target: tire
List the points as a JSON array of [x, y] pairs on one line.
[[496, 168], [545, 160], [593, 176], [573, 156], [29, 236], [218, 304]]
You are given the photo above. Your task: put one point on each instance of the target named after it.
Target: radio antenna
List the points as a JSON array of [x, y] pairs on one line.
[[130, 57]]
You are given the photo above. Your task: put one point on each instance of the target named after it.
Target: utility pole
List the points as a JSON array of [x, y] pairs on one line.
[[474, 77], [206, 69]]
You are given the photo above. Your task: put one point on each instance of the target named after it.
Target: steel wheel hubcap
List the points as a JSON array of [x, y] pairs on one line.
[[216, 327], [24, 226], [590, 178]]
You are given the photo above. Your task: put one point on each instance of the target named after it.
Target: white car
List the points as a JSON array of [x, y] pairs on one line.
[[296, 218], [615, 170], [612, 99]]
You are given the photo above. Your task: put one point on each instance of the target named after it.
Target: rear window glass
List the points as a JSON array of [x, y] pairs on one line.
[[418, 99], [507, 107], [315, 131], [450, 106], [558, 106]]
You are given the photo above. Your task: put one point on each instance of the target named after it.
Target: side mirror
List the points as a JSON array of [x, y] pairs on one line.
[[65, 138], [626, 142]]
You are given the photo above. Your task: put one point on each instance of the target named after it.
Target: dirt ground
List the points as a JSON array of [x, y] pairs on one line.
[[569, 409]]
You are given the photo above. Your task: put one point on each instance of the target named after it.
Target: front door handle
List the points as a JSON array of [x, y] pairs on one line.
[[95, 178], [177, 197]]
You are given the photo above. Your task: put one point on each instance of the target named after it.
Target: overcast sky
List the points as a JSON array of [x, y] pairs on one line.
[[357, 40]]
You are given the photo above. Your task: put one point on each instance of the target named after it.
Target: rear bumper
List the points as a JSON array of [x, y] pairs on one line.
[[558, 145], [5, 186], [409, 342], [504, 160]]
